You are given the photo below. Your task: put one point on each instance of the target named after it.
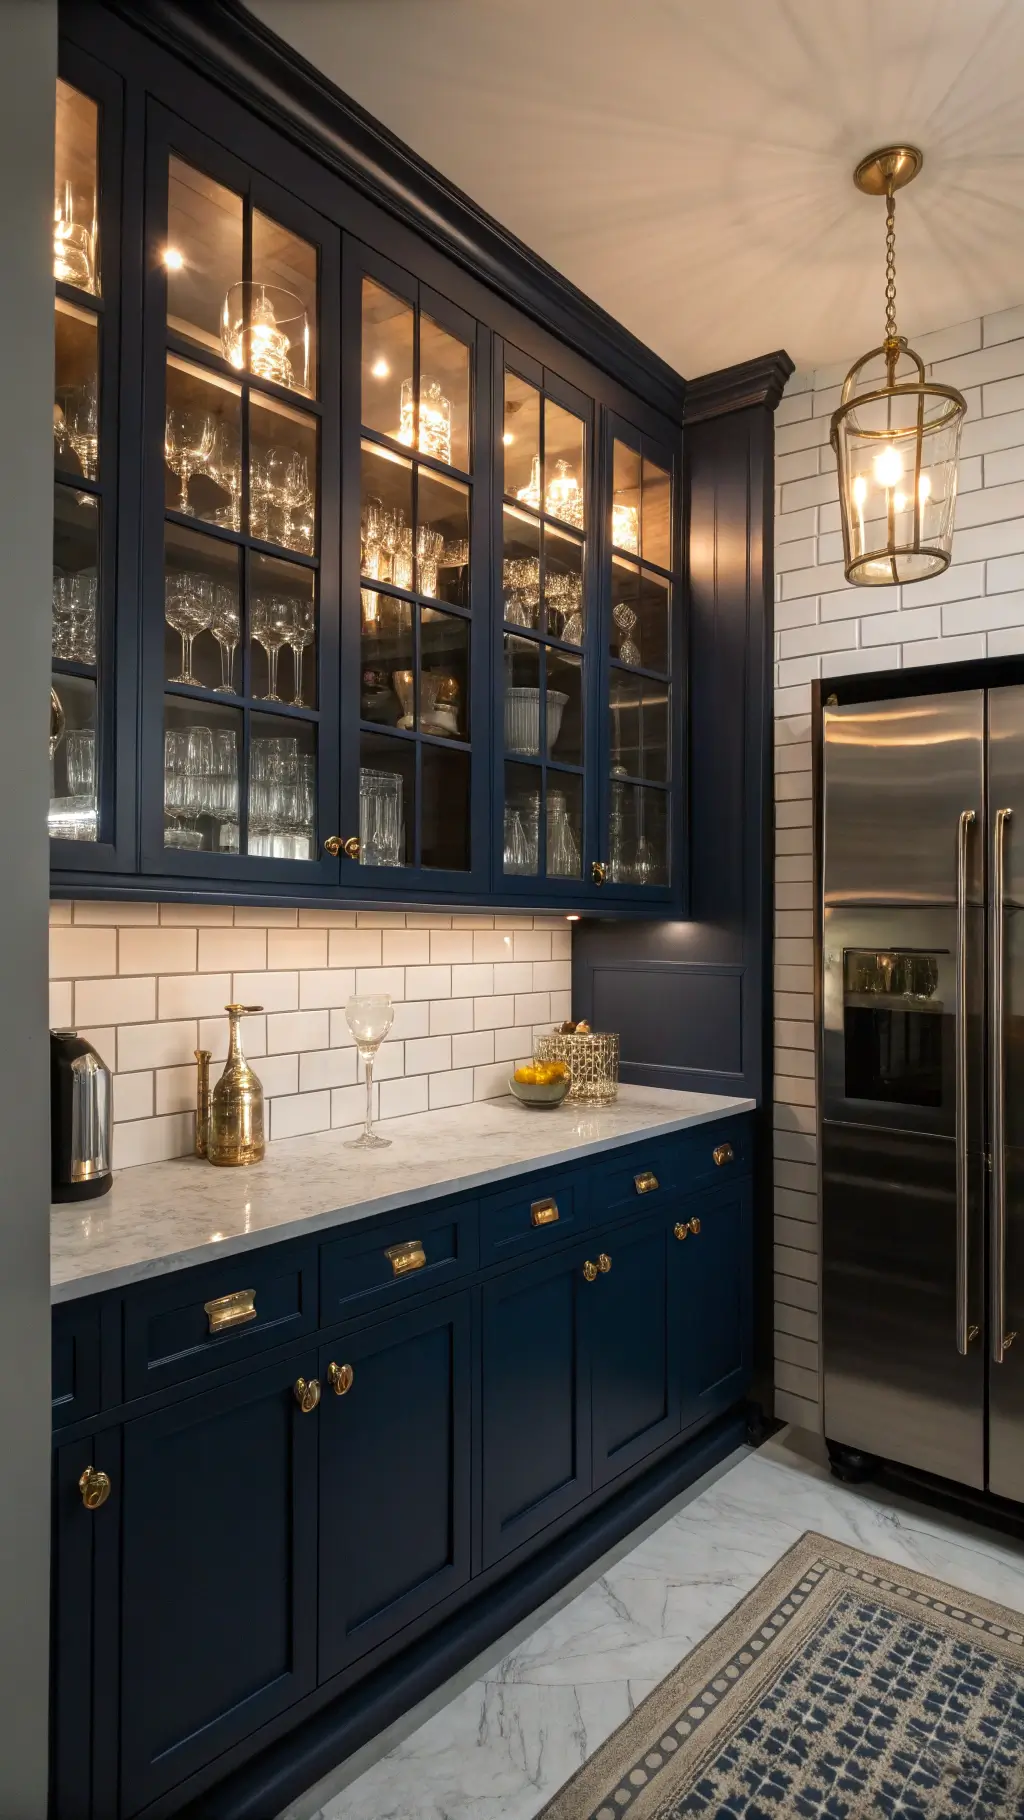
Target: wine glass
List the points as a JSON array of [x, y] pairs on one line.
[[188, 445], [369, 1019], [226, 626], [298, 495], [271, 623], [299, 635], [625, 619], [83, 428], [188, 607], [225, 467], [429, 546]]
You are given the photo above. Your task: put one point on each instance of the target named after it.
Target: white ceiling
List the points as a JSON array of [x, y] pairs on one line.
[[688, 164]]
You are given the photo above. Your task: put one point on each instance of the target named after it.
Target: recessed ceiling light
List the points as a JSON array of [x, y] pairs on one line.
[[380, 369], [507, 438], [173, 259]]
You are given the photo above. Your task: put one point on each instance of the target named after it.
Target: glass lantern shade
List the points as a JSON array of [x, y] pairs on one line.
[[896, 436]]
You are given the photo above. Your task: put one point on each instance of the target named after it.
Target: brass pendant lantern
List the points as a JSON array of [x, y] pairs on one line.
[[895, 433]]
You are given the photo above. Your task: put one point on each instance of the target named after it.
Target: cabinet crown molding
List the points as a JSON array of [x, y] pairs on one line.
[[751, 382], [223, 41]]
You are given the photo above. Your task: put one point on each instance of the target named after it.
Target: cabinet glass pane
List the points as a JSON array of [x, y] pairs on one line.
[[202, 440], [282, 788], [564, 826], [444, 682], [626, 498], [444, 396], [283, 631], [442, 537], [638, 835], [75, 239], [386, 521], [202, 629], [564, 703], [522, 666], [76, 542], [202, 257], [202, 759], [76, 391], [444, 833], [282, 475], [563, 464], [388, 328], [521, 440], [270, 324], [73, 760], [387, 657], [521, 852], [639, 726], [563, 586], [640, 602], [387, 800], [520, 569], [656, 518]]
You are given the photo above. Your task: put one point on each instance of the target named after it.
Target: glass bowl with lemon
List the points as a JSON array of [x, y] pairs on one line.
[[541, 1084]]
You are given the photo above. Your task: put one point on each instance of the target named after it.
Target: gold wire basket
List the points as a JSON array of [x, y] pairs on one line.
[[592, 1060]]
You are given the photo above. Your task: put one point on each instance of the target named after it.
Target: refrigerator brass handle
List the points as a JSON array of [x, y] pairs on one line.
[[997, 1089], [962, 1231]]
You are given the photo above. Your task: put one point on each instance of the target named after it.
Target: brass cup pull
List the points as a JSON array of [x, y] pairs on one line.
[[646, 1181], [232, 1310], [598, 871], [405, 1257], [722, 1153], [590, 1271], [94, 1486], [544, 1213], [340, 1378], [334, 844], [604, 1263], [307, 1394]]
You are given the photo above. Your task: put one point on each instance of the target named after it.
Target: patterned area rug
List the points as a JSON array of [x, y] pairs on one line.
[[842, 1688]]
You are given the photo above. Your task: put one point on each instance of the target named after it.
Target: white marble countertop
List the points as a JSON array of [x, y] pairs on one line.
[[166, 1216]]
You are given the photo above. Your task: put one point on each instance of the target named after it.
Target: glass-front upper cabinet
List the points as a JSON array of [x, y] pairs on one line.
[[85, 263], [240, 537], [544, 458], [641, 660], [413, 780]]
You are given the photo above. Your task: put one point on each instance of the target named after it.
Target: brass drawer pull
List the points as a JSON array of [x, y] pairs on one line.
[[340, 1378], [94, 1486], [544, 1213], [646, 1181], [604, 1263], [231, 1310], [683, 1228], [410, 1255], [307, 1394], [722, 1153]]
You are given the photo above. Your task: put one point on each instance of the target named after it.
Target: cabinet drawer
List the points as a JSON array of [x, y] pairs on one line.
[[75, 1370], [420, 1250], [528, 1217], [713, 1155], [196, 1320], [638, 1180]]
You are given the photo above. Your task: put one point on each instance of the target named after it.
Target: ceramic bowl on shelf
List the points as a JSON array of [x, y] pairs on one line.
[[540, 1094]]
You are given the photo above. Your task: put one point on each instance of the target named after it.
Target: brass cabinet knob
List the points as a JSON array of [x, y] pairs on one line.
[[681, 1229], [590, 1270], [598, 871], [340, 1378], [722, 1153], [604, 1263], [307, 1394], [94, 1486], [334, 844], [694, 1225]]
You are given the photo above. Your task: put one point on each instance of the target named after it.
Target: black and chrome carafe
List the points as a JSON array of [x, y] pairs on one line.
[[80, 1118]]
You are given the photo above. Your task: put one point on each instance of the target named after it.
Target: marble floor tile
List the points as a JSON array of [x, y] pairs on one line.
[[503, 1745]]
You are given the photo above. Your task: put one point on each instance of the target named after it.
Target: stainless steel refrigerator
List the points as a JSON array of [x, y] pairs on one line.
[[922, 1103]]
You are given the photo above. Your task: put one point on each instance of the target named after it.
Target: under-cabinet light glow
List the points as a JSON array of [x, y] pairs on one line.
[[173, 259]]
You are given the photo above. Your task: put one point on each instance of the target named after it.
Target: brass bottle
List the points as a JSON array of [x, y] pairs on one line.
[[202, 1100], [236, 1112]]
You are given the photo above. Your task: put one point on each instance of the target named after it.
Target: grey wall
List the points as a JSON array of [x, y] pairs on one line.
[[28, 34]]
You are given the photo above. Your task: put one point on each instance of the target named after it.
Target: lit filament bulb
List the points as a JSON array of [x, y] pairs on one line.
[[888, 467], [902, 501], [860, 491]]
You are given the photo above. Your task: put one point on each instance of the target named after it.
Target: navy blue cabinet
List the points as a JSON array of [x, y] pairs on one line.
[[394, 1477], [713, 1271], [218, 1577], [637, 1325]]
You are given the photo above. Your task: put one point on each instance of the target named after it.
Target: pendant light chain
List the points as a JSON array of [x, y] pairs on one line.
[[890, 264]]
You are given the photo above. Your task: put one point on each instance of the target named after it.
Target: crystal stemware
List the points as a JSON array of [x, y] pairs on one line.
[[369, 1019], [226, 626], [299, 505], [625, 619], [188, 607], [299, 635], [429, 546], [81, 417], [225, 469], [271, 623], [188, 445]]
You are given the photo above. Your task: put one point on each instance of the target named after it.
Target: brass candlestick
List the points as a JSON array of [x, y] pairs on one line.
[[235, 1134]]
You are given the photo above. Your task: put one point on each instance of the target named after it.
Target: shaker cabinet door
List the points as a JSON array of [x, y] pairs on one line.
[[218, 1574], [635, 1348], [394, 1477], [535, 1401], [713, 1296]]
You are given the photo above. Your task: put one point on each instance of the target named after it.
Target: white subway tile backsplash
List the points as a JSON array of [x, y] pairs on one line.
[[153, 1140], [271, 991], [133, 1097], [355, 948], [474, 980], [412, 1018], [294, 948], [264, 917], [156, 1045], [183, 995], [321, 1068], [121, 915], [297, 1030], [454, 1089], [472, 1049], [130, 1001], [330, 986], [428, 1055], [175, 1089], [82, 953], [293, 1115], [232, 950], [408, 1095], [61, 1014], [159, 950], [428, 982], [406, 947], [448, 1015]]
